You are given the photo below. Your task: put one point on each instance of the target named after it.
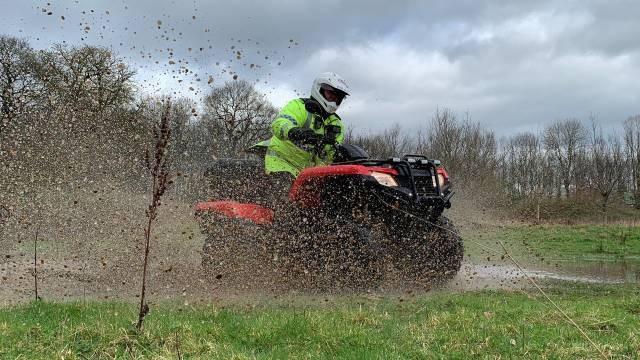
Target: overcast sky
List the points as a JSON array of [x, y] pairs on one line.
[[512, 65]]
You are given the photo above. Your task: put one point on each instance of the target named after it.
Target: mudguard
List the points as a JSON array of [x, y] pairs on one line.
[[233, 209], [304, 188]]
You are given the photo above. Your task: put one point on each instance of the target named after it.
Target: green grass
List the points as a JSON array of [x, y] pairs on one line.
[[604, 242], [483, 325]]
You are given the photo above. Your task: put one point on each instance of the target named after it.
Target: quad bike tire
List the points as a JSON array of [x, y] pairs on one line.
[[428, 253], [319, 253]]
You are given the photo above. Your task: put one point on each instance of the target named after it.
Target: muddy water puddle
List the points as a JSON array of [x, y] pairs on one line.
[[600, 271], [473, 276]]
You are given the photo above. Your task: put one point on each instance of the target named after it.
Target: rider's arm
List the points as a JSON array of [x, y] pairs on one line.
[[340, 137], [292, 115]]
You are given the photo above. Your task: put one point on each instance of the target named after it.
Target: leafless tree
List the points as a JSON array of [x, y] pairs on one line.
[[467, 150], [479, 154], [18, 86], [582, 172], [83, 113], [391, 142], [444, 139], [632, 150], [607, 164], [564, 140], [88, 79], [524, 161], [237, 116]]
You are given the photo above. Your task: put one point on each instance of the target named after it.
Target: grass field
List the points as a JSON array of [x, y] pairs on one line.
[[477, 324], [577, 242]]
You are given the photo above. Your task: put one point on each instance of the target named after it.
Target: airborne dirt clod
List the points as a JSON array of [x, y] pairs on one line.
[[103, 260]]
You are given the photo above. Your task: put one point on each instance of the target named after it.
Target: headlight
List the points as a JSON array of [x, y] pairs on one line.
[[384, 179], [441, 181]]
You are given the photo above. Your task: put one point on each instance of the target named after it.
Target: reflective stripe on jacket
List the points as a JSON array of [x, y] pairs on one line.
[[284, 155]]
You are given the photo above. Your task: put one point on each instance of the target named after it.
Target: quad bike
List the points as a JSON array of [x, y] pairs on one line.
[[350, 224]]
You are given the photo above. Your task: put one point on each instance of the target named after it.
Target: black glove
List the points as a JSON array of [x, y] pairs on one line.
[[304, 136]]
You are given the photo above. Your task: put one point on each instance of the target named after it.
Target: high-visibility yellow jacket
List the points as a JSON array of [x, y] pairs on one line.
[[284, 155]]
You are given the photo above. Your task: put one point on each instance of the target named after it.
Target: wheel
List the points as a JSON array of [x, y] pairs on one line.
[[427, 253], [322, 253]]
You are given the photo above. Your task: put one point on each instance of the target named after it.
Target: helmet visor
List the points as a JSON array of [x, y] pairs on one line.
[[332, 94]]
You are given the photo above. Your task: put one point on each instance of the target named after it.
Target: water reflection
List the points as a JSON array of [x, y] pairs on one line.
[[473, 276], [622, 271]]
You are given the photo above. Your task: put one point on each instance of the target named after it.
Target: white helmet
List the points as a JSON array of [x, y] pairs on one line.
[[332, 82]]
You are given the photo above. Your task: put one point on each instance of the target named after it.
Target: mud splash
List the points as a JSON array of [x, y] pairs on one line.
[[67, 280]]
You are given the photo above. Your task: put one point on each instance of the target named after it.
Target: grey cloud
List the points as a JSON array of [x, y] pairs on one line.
[[511, 64]]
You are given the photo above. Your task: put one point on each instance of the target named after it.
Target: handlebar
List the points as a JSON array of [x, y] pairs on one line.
[[319, 147], [330, 136]]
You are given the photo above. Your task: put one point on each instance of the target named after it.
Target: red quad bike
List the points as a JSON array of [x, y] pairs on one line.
[[349, 225]]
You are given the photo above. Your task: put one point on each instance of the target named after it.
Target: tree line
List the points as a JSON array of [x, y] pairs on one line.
[[78, 110], [570, 158]]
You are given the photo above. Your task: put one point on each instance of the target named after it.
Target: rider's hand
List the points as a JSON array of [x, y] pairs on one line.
[[304, 136]]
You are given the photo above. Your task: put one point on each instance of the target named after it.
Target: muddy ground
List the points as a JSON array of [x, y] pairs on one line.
[[90, 246]]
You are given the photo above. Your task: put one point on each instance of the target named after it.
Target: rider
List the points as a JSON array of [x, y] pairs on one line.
[[302, 126]]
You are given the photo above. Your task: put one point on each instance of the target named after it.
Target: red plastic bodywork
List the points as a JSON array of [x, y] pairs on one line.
[[304, 188], [234, 209], [304, 191], [441, 170]]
